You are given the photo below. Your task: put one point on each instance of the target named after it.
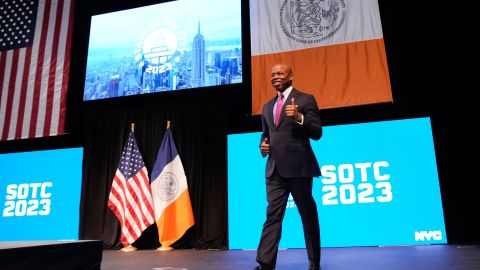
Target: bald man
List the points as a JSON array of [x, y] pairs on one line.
[[289, 121]]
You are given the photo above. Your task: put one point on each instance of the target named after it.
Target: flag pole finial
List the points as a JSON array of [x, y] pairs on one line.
[[168, 124], [132, 127]]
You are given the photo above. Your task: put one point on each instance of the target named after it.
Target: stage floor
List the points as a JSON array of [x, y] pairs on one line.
[[51, 255], [437, 257]]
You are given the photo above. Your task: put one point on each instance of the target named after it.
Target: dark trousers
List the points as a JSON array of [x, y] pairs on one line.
[[278, 190]]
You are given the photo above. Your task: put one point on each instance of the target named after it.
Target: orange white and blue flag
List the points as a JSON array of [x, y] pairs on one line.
[[171, 199], [335, 47]]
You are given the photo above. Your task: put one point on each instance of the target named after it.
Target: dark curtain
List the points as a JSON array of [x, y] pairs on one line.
[[199, 132]]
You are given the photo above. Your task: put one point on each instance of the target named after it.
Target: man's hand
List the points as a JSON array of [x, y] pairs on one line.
[[265, 147], [292, 110]]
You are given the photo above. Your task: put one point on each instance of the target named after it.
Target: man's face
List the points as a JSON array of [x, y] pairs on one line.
[[281, 77]]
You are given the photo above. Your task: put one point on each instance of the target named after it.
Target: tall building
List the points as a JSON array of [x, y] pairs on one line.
[[113, 86], [198, 60], [218, 60], [234, 65], [225, 66]]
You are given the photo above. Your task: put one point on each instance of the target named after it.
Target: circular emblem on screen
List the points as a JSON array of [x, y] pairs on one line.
[[159, 45], [168, 186], [312, 21]]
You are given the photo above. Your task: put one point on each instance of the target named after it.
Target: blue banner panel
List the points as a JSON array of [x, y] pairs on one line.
[[379, 186], [40, 195]]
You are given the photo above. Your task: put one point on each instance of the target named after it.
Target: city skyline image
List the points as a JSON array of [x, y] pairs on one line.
[[172, 53]]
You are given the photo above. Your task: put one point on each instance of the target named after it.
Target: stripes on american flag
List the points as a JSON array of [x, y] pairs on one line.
[[34, 79], [130, 196]]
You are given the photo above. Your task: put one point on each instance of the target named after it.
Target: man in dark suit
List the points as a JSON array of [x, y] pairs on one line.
[[289, 121]]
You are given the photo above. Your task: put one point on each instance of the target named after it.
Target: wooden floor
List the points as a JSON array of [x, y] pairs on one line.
[[430, 257]]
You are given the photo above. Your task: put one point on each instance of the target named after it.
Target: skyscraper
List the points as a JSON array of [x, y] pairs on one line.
[[113, 85], [198, 59], [218, 60]]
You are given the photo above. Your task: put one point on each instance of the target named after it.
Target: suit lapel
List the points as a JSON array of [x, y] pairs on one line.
[[269, 112]]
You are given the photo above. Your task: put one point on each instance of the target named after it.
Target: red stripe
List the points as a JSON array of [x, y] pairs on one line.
[[66, 72], [23, 94], [136, 197], [128, 225], [124, 221], [53, 68], [115, 209], [119, 216], [3, 65], [3, 60], [148, 203], [51, 101], [143, 198], [134, 200], [134, 218], [39, 71], [10, 94]]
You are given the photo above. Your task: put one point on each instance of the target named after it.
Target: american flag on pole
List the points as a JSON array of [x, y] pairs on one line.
[[130, 196], [35, 40]]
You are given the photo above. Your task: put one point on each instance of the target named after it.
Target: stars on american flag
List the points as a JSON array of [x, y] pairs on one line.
[[17, 23], [131, 161], [130, 197]]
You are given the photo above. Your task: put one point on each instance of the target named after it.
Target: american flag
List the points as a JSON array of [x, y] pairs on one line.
[[130, 196], [35, 40]]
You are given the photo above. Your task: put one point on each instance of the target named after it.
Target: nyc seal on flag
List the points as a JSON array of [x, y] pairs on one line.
[[168, 186], [312, 21], [319, 36]]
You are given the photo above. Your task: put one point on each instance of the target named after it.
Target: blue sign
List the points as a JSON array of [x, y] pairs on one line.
[[40, 195], [379, 186]]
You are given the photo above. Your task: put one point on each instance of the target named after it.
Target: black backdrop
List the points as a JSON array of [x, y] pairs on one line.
[[433, 64], [201, 145]]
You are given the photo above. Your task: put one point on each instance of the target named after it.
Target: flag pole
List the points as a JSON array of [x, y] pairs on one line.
[[130, 247], [165, 248]]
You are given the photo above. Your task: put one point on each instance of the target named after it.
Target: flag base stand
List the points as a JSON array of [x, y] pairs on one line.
[[162, 248], [128, 249]]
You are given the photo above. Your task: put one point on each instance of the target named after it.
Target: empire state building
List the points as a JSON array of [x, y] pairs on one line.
[[198, 60]]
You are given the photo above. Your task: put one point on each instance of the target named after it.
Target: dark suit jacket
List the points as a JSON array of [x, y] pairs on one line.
[[290, 150]]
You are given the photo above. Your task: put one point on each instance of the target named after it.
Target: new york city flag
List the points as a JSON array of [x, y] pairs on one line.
[[171, 199]]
